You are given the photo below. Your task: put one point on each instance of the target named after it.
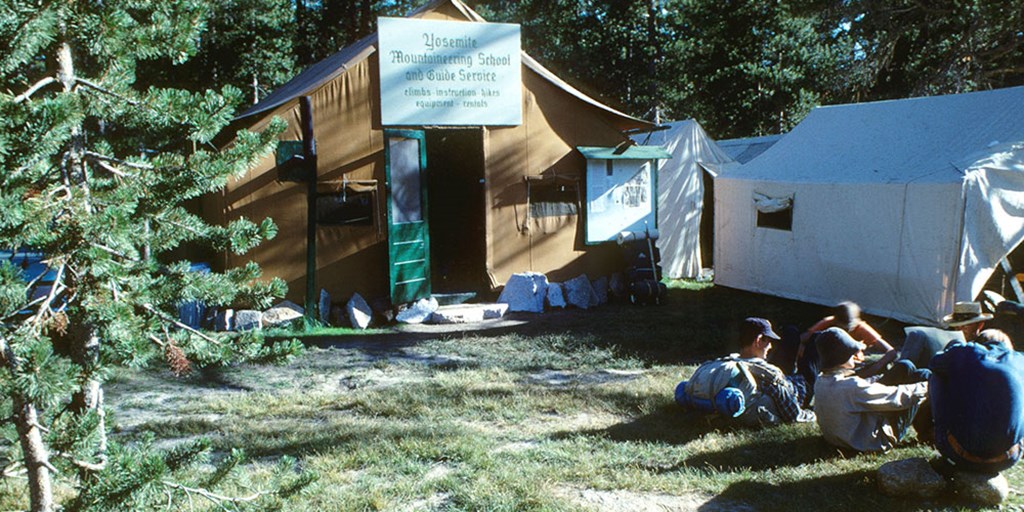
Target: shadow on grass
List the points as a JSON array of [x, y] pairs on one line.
[[765, 452], [853, 492], [668, 424]]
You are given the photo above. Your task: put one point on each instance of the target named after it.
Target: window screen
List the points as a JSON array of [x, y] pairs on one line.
[[553, 200]]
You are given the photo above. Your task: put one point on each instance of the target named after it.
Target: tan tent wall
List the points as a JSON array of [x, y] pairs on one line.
[[554, 123], [350, 146]]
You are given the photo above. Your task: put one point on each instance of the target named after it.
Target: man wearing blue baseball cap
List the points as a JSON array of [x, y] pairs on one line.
[[768, 395]]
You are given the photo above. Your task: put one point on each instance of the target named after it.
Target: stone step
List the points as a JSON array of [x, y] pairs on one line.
[[468, 313]]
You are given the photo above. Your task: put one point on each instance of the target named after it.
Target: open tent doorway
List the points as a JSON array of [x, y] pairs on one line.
[[707, 220], [455, 159]]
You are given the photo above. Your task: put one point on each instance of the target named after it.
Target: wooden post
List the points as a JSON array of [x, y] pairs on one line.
[[309, 155]]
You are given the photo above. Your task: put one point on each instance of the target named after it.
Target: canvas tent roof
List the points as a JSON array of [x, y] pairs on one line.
[[897, 141], [745, 149], [681, 193], [905, 206]]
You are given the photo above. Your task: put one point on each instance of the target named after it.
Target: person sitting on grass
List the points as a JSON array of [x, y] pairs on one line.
[[756, 392], [846, 316], [977, 397], [995, 337], [861, 413]]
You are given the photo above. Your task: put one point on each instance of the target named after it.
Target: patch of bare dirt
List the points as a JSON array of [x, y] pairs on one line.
[[629, 501]]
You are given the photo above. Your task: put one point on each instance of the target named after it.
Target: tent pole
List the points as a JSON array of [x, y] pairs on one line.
[[309, 154], [1013, 279]]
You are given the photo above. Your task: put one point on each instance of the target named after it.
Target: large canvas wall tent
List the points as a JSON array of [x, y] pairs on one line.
[[904, 206], [686, 196], [466, 205]]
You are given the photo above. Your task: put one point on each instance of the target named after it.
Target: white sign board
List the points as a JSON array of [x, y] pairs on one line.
[[620, 197], [449, 73]]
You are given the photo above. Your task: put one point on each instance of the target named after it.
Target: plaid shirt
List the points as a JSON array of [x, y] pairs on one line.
[[783, 391]]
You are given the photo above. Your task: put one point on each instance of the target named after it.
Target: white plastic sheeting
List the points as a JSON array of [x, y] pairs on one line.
[[903, 206], [681, 194]]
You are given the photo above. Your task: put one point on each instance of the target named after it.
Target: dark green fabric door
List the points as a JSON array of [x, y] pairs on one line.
[[405, 157]]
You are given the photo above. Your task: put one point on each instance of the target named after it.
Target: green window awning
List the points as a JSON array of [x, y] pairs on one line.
[[630, 153]]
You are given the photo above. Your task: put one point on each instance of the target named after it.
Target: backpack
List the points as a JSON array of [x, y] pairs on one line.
[[728, 386]]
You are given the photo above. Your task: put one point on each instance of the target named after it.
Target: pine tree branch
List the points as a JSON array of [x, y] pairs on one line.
[[24, 307], [55, 289], [104, 158], [178, 324], [95, 467], [114, 252], [111, 169], [157, 341], [106, 91], [217, 499], [14, 469], [35, 87]]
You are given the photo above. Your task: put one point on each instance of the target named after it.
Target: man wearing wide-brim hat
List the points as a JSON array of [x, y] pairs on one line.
[[977, 396], [968, 318]]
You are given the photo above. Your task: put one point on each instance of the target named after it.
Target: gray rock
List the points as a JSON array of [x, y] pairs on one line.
[[910, 477], [555, 297], [248, 320], [223, 320], [980, 488], [525, 292], [600, 296], [323, 307], [418, 312], [359, 312], [282, 313], [578, 291]]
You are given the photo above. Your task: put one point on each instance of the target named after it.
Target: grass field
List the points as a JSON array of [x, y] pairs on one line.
[[563, 411]]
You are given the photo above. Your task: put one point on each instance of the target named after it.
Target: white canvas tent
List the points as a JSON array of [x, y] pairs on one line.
[[903, 206], [681, 193]]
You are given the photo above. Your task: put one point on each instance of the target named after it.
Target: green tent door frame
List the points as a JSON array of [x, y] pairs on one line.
[[405, 161]]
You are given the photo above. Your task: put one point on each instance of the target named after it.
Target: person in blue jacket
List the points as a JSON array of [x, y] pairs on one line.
[[977, 395]]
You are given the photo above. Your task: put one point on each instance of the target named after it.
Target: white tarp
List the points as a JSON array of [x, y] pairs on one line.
[[681, 193], [902, 206]]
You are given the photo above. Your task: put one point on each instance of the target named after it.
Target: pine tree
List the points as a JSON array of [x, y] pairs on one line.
[[96, 175], [247, 44]]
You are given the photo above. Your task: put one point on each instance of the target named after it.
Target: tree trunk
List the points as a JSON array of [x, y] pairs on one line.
[[85, 350], [37, 460], [26, 422]]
